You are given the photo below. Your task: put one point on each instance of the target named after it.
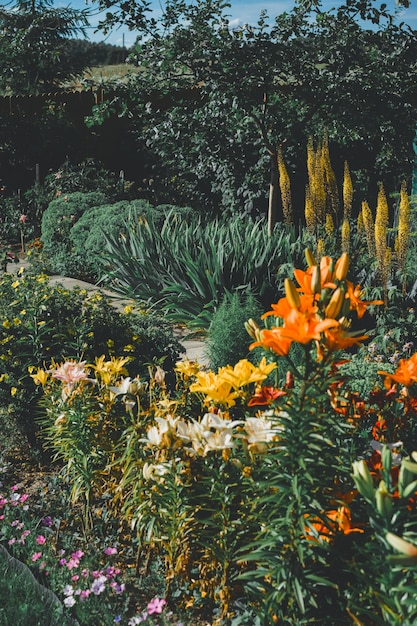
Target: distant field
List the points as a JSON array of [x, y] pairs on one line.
[[111, 71], [106, 73]]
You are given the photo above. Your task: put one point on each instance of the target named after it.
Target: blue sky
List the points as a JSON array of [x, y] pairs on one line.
[[241, 12]]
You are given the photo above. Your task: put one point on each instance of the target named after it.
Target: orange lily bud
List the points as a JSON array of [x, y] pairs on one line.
[[310, 257], [342, 266], [291, 293], [334, 307]]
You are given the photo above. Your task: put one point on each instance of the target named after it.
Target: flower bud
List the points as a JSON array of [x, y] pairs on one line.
[[251, 328], [316, 280], [291, 293], [383, 501], [310, 257], [334, 307], [342, 267], [363, 480]]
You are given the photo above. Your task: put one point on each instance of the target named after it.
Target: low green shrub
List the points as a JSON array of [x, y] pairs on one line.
[[58, 220], [75, 227], [87, 238], [24, 602]]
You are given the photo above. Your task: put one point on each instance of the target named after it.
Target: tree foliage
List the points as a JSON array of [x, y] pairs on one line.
[[34, 55], [347, 71]]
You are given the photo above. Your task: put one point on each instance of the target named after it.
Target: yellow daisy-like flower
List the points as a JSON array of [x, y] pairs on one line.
[[15, 284]]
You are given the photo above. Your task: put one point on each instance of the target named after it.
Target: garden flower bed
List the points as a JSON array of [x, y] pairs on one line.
[[267, 492]]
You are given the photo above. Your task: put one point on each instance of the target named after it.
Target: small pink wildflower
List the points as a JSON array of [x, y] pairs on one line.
[[99, 585], [109, 551], [116, 587], [68, 590], [36, 556], [62, 561], [75, 578], [78, 554], [156, 606], [23, 218], [14, 488], [11, 541], [84, 573], [72, 563], [40, 540], [110, 572], [84, 594], [23, 497]]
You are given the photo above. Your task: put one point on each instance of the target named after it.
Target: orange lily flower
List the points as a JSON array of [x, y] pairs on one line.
[[339, 520], [282, 308], [304, 278], [339, 339], [406, 372], [356, 304], [274, 340], [304, 327]]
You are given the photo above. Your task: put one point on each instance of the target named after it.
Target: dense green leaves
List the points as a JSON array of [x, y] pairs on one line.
[[33, 52], [350, 71]]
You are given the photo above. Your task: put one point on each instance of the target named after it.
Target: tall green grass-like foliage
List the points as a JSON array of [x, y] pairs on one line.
[[186, 268]]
